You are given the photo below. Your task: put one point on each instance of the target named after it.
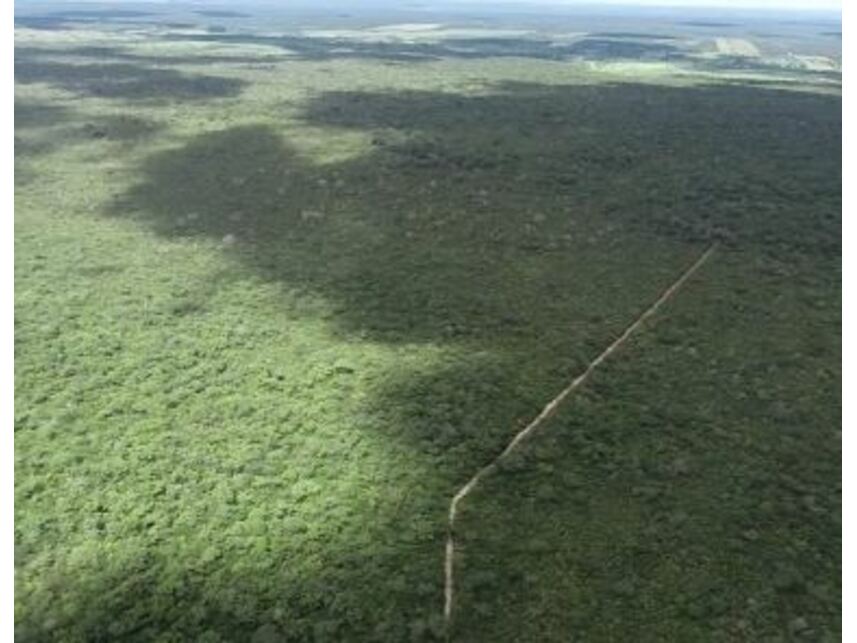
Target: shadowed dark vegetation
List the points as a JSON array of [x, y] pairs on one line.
[[377, 235], [756, 139], [31, 119], [30, 114], [110, 54], [44, 128], [121, 127], [319, 48], [248, 183], [24, 148], [829, 24], [217, 13], [606, 47], [708, 23], [326, 48], [785, 83], [631, 35], [699, 460], [119, 80], [65, 19], [97, 15], [44, 23], [592, 48], [117, 127], [749, 63]]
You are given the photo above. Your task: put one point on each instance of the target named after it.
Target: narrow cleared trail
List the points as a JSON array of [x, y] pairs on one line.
[[549, 410]]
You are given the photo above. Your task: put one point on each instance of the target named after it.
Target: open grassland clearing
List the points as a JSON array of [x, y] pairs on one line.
[[736, 47], [271, 314]]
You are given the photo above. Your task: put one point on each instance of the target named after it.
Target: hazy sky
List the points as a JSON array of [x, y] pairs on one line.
[[819, 5], [815, 5]]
